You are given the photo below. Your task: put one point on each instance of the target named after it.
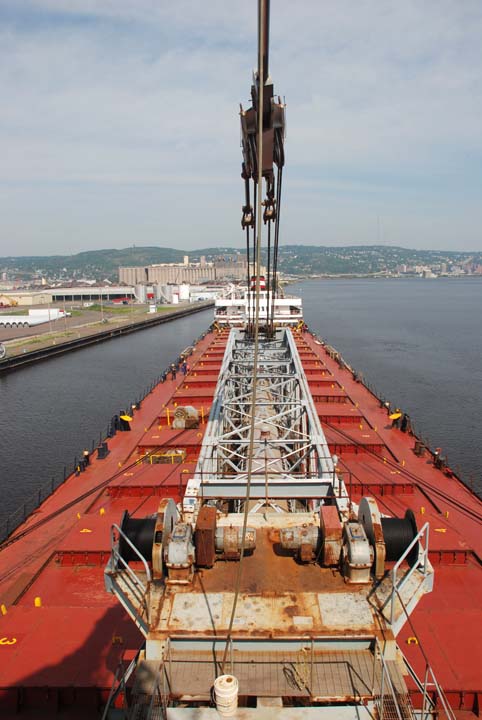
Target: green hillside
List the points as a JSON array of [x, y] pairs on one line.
[[293, 259]]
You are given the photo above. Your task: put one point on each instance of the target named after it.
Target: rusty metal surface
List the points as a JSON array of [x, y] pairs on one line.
[[268, 614], [204, 537], [278, 597], [332, 534], [269, 569], [206, 518]]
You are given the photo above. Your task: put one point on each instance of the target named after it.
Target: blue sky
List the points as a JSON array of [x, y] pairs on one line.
[[119, 122]]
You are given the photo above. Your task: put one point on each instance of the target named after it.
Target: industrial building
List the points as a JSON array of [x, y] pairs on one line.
[[67, 294], [232, 267]]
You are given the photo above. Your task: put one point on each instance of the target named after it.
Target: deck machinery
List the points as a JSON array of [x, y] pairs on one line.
[[267, 591], [270, 559], [301, 603]]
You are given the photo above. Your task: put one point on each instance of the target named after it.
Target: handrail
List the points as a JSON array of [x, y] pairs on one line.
[[113, 691], [423, 554], [440, 693], [14, 519], [429, 673], [428, 670], [158, 691], [122, 681], [418, 683], [116, 557], [133, 547], [386, 674], [428, 704]]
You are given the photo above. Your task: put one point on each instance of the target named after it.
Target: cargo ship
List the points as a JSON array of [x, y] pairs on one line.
[[260, 537]]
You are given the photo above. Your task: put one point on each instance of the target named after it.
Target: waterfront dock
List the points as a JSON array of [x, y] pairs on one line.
[[49, 344]]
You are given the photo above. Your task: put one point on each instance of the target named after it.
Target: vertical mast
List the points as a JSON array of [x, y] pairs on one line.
[[263, 37], [262, 133]]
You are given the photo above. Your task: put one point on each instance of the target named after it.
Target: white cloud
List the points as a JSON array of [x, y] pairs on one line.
[[117, 115]]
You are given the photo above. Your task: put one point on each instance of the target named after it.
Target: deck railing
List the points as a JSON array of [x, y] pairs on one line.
[[138, 588], [119, 686], [18, 516], [158, 705], [390, 703], [421, 539], [430, 688]]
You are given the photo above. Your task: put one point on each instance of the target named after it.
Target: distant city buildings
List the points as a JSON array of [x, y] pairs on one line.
[[230, 267], [155, 283], [98, 268], [445, 269]]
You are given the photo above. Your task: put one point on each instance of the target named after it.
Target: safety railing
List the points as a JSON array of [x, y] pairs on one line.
[[150, 703], [431, 693], [157, 709], [138, 588], [44, 491], [119, 686], [429, 688], [421, 539], [18, 516], [392, 703]]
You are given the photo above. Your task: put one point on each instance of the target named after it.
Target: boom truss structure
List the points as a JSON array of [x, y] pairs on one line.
[[291, 458]]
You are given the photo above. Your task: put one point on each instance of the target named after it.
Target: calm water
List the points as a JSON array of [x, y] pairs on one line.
[[51, 411], [419, 342]]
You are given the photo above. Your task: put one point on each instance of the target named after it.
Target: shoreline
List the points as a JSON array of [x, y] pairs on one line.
[[291, 279], [54, 346]]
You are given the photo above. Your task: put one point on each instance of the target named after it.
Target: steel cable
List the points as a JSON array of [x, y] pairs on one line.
[[256, 339], [276, 244]]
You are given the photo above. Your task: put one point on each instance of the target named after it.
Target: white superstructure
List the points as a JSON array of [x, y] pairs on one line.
[[238, 308]]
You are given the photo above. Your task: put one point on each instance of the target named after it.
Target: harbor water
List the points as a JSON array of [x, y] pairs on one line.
[[417, 342], [53, 410]]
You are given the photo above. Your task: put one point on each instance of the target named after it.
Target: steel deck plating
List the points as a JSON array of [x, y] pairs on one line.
[[62, 636]]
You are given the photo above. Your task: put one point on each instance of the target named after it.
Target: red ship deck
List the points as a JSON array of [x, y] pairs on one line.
[[64, 652], [62, 636], [377, 459]]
